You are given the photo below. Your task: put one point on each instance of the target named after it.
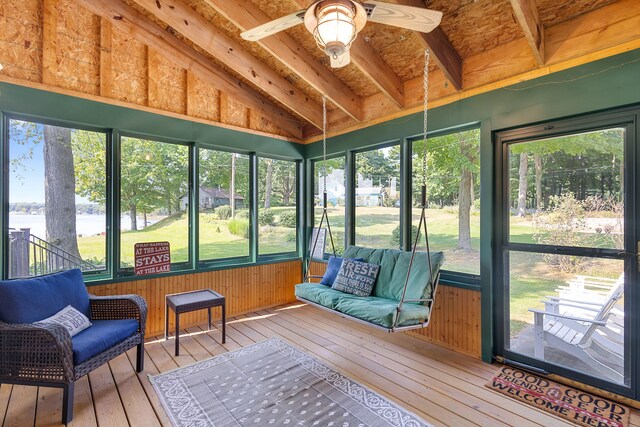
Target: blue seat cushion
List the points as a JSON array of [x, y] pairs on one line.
[[333, 266], [33, 299], [102, 335]]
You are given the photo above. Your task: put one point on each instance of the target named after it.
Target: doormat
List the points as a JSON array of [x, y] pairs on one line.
[[272, 383], [573, 405]]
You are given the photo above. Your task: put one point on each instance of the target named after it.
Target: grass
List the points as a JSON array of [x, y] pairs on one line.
[[532, 277], [216, 241]]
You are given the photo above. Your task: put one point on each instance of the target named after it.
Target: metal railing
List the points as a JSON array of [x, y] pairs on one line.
[[31, 255]]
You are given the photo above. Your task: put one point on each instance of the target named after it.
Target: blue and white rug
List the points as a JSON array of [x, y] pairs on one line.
[[272, 383]]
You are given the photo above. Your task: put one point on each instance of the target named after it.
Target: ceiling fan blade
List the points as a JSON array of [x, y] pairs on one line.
[[409, 17], [272, 27], [341, 60]]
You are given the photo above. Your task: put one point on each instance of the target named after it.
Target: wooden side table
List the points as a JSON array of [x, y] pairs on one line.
[[191, 301]]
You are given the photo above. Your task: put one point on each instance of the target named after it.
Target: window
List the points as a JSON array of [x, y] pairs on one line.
[[378, 198], [453, 195], [57, 195], [336, 199], [154, 197], [223, 226], [277, 213]]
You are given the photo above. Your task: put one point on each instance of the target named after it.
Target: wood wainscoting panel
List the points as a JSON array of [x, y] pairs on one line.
[[246, 289], [455, 319]]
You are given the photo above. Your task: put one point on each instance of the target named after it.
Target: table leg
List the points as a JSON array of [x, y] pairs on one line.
[[166, 320], [209, 316], [224, 321], [177, 334]]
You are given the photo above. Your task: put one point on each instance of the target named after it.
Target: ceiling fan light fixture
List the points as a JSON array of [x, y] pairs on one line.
[[335, 25], [336, 29]]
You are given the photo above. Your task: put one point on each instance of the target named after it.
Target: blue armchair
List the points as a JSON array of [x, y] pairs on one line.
[[45, 354]]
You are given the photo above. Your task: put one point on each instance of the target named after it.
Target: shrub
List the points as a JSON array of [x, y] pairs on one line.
[[239, 227], [395, 235], [243, 214], [266, 217], [223, 212], [291, 237], [562, 224], [288, 219]]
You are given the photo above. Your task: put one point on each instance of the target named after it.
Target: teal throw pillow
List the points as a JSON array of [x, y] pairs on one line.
[[356, 277]]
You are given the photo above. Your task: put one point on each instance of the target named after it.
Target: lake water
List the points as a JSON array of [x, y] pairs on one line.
[[86, 225]]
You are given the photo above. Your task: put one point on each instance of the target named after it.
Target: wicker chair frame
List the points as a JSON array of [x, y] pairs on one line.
[[40, 354]]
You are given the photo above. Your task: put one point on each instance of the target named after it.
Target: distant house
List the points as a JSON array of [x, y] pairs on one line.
[[368, 196], [213, 198]]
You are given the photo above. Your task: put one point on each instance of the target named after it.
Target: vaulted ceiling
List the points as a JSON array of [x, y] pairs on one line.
[[479, 46]]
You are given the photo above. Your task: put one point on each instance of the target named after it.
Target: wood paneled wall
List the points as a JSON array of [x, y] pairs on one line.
[[246, 289], [455, 321]]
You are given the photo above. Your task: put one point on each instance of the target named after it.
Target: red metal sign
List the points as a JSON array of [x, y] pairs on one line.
[[152, 257]]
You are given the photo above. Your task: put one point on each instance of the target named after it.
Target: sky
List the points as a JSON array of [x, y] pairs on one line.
[[26, 181]]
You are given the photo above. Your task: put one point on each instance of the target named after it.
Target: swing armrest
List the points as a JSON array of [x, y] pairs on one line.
[[308, 278]]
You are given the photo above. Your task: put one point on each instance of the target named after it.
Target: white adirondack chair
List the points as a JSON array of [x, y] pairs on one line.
[[575, 325], [588, 288]]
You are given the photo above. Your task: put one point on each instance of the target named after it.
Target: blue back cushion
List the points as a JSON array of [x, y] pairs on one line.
[[333, 266], [33, 299]]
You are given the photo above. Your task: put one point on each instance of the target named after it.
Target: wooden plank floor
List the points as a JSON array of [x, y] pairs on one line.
[[441, 386]]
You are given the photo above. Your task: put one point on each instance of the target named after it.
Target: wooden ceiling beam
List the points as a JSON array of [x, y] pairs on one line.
[[441, 48], [143, 29], [215, 42], [371, 64], [527, 13], [245, 15]]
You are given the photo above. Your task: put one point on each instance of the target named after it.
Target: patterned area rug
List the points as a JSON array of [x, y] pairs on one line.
[[272, 383]]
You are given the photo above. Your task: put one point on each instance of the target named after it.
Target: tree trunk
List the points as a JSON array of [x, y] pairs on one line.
[[60, 193], [286, 193], [537, 162], [621, 180], [232, 186], [522, 184], [464, 211], [268, 185], [133, 212]]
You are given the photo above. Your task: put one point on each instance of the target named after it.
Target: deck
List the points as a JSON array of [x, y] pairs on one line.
[[441, 386]]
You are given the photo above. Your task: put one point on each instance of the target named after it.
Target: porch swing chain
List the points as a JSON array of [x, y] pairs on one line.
[[325, 215], [423, 202]]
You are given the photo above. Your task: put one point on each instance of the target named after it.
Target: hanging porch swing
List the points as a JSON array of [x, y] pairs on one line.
[[404, 292]]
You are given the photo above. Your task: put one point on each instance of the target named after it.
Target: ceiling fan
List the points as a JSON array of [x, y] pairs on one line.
[[335, 23]]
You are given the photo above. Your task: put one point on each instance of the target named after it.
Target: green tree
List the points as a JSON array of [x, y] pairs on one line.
[[284, 178], [452, 163], [568, 163]]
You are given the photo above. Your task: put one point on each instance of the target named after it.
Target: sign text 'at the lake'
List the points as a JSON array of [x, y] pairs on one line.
[[152, 257]]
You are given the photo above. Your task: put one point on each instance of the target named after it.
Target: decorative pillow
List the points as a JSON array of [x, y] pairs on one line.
[[333, 266], [356, 277], [70, 318]]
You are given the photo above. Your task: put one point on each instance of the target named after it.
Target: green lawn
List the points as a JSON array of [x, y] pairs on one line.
[[215, 239]]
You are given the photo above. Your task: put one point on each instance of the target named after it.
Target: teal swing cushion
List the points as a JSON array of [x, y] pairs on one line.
[[380, 307]]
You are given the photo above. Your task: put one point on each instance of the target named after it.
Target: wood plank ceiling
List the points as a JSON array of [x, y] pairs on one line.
[[191, 61]]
